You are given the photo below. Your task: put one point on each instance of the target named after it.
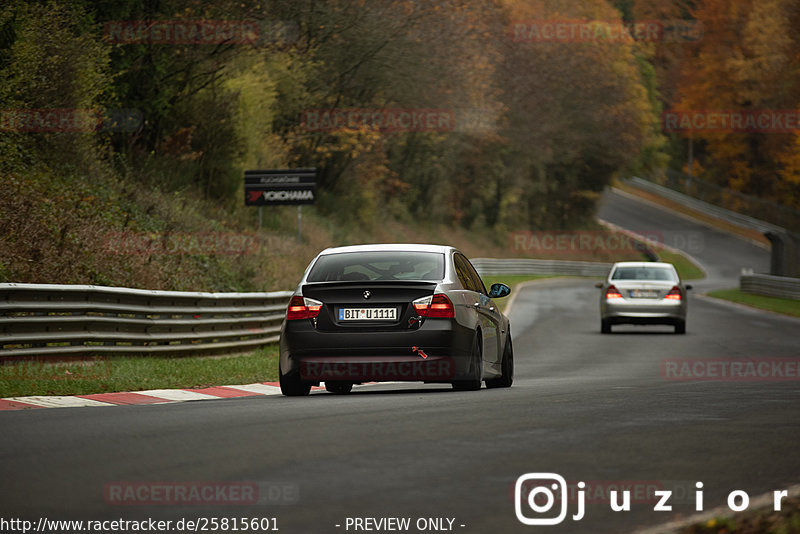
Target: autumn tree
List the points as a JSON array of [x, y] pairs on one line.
[[747, 61], [579, 112]]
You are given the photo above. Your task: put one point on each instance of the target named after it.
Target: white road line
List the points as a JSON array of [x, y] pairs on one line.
[[59, 401], [262, 389], [558, 278], [168, 395], [176, 394]]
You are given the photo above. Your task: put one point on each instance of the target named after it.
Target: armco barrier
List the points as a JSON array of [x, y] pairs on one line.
[[61, 320], [64, 320], [785, 260], [771, 286], [704, 207], [493, 266]]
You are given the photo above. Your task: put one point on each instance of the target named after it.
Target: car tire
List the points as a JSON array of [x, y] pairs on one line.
[[293, 386], [473, 383], [680, 327], [507, 366], [605, 326], [338, 387]]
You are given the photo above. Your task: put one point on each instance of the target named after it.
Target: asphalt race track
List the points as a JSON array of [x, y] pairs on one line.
[[589, 407], [722, 255]]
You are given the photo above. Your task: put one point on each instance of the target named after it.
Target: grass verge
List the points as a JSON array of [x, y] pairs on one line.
[[512, 281], [128, 373], [132, 373], [773, 304], [746, 233], [83, 376], [686, 268]]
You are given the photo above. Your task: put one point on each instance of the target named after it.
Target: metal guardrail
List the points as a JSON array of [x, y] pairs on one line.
[[758, 208], [494, 266], [704, 207], [785, 244], [56, 320], [65, 320], [771, 286]]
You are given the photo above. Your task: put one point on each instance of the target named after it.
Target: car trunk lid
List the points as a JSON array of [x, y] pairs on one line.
[[367, 305], [636, 289]]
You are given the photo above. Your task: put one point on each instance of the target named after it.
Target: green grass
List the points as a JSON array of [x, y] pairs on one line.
[[774, 304], [687, 270], [128, 373], [136, 373]]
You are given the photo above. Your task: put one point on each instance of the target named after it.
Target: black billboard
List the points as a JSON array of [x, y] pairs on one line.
[[287, 187]]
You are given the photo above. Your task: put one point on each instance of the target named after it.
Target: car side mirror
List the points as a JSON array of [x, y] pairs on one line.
[[599, 285], [688, 287], [499, 291]]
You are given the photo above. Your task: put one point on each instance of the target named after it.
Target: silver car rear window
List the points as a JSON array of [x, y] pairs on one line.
[[658, 274], [368, 266]]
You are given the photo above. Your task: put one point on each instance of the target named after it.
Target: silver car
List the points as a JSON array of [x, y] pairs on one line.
[[643, 293]]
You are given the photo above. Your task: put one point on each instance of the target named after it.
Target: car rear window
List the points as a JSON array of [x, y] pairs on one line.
[[368, 266], [658, 274]]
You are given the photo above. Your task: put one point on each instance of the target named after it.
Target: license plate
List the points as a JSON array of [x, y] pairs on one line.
[[644, 294], [367, 314]]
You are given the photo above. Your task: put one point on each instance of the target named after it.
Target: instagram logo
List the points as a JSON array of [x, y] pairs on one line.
[[537, 491], [536, 485]]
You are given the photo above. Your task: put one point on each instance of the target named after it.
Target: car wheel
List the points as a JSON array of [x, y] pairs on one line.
[[293, 386], [680, 327], [507, 366], [473, 383], [605, 326], [338, 387]]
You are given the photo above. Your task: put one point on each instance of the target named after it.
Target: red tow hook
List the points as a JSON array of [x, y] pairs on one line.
[[420, 352]]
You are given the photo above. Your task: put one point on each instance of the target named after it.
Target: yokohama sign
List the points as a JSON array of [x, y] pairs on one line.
[[280, 187]]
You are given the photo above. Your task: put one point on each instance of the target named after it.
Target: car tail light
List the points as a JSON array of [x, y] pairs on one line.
[[434, 306], [302, 308], [421, 305], [674, 294], [613, 293]]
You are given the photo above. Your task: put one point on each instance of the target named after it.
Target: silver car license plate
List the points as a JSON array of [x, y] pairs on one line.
[[644, 294]]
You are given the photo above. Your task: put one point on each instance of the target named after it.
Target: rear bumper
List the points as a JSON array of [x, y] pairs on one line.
[[378, 369], [638, 319], [438, 351], [644, 312]]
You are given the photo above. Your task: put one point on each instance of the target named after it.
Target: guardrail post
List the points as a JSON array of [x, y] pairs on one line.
[[785, 259]]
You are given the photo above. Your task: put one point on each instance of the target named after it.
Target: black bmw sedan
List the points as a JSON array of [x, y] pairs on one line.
[[385, 313]]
